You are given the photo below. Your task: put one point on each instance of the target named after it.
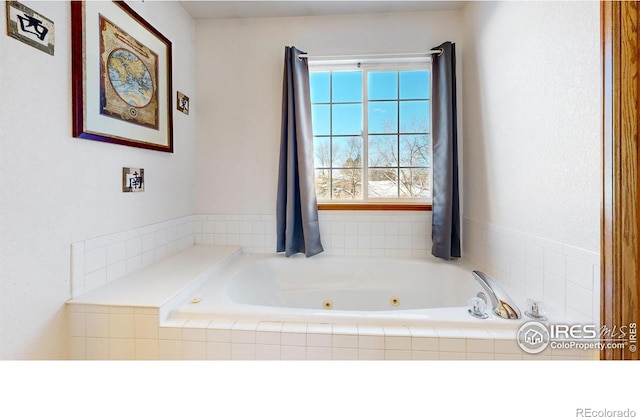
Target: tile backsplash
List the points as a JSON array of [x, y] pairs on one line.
[[97, 261], [564, 277], [385, 233]]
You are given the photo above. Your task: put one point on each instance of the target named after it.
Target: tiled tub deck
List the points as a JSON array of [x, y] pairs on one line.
[[129, 318]]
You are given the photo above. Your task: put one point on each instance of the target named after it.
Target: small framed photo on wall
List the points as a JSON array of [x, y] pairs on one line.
[[183, 103], [30, 27]]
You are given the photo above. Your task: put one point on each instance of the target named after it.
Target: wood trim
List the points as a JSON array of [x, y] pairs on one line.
[[379, 206], [620, 290]]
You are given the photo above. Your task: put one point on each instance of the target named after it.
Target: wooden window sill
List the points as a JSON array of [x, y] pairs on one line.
[[374, 206]]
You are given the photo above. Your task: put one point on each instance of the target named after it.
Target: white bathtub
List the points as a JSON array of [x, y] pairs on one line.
[[340, 290]]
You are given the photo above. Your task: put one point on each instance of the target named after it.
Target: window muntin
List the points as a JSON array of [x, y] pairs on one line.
[[371, 127]]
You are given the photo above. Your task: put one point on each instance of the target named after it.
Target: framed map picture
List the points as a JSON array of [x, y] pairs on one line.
[[121, 77]]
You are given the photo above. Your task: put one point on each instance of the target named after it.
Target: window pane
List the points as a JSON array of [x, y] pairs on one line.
[[415, 151], [383, 183], [414, 84], [383, 86], [414, 116], [322, 152], [347, 184], [347, 119], [383, 117], [383, 151], [347, 87], [319, 83], [323, 184], [398, 126], [414, 182], [347, 152], [321, 119]]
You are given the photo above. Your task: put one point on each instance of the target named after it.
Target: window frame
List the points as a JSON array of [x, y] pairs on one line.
[[366, 66]]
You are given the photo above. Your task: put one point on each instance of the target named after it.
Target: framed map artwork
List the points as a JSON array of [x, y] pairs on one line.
[[121, 77]]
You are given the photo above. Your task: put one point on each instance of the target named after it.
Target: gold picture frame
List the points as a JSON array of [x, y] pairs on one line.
[[121, 77]]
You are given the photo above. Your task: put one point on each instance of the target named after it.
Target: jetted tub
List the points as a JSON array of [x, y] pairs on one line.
[[339, 290]]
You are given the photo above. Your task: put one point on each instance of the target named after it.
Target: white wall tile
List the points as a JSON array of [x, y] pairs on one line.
[[95, 259], [293, 352], [579, 299], [122, 349], [554, 286], [267, 352], [547, 266], [421, 355], [169, 349], [146, 326], [243, 336], [133, 247], [447, 344], [555, 263], [243, 351], [170, 333], [371, 342], [534, 277], [218, 351], [219, 332], [147, 349], [370, 354], [343, 353], [116, 252], [315, 353], [480, 345], [97, 325], [121, 326], [293, 339], [580, 272], [77, 324], [77, 348], [475, 356], [113, 256], [192, 350], [452, 356], [116, 270], [534, 255], [95, 279], [404, 355], [97, 348], [194, 334], [318, 339]]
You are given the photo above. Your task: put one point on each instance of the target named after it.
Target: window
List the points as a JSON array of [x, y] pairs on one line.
[[371, 127]]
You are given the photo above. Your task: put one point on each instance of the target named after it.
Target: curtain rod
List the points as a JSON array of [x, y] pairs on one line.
[[438, 51]]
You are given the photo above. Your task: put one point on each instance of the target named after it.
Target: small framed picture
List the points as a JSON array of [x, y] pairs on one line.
[[30, 27], [183, 103], [132, 180]]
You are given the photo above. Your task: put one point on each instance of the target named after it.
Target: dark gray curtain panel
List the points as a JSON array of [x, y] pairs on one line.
[[446, 201], [298, 230]]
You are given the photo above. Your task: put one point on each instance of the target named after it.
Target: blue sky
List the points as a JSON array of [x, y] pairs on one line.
[[385, 87]]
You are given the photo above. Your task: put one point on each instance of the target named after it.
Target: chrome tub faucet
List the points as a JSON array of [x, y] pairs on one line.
[[501, 303]]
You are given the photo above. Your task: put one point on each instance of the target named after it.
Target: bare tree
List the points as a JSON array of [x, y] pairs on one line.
[[398, 163], [349, 158]]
